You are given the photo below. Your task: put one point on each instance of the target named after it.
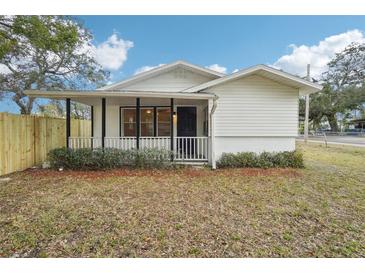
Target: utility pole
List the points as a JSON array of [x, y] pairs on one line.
[[306, 120]]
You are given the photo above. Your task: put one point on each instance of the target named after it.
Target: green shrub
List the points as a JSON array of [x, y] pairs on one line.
[[263, 160], [150, 158], [107, 158]]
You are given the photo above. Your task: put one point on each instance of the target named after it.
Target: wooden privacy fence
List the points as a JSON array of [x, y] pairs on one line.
[[26, 139]]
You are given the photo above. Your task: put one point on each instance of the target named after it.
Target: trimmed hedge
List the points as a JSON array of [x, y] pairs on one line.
[[107, 158], [263, 160]]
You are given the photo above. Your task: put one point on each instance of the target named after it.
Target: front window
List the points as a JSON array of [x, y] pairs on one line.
[[147, 118], [163, 122], [129, 122], [148, 121]]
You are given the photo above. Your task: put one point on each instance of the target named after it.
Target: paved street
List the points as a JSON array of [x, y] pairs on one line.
[[341, 140]]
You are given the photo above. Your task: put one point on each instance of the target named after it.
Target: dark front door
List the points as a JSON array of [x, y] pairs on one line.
[[186, 127], [186, 121]]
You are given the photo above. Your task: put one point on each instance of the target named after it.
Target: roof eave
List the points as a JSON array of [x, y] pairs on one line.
[[113, 93], [306, 91], [307, 85]]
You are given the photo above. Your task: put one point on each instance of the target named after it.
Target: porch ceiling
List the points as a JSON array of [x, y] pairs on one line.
[[131, 101]]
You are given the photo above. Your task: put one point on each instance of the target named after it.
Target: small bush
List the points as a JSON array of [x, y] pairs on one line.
[[150, 158], [263, 160], [107, 158]]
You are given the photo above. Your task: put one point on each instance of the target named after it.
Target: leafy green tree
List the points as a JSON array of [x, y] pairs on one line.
[[45, 52], [343, 90], [347, 68], [328, 103]]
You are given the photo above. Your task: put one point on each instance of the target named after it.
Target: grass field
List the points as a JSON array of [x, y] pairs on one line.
[[318, 211]]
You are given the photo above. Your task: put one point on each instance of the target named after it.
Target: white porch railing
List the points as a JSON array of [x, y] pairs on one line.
[[185, 148], [120, 142], [84, 142], [155, 142], [191, 148]]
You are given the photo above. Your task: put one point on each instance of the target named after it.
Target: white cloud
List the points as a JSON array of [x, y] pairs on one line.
[[112, 53], [146, 68], [218, 68], [235, 70], [317, 55]]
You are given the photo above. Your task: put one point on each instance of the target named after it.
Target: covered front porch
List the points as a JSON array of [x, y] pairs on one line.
[[135, 120]]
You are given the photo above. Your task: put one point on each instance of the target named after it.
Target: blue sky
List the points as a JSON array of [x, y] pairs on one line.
[[125, 44]]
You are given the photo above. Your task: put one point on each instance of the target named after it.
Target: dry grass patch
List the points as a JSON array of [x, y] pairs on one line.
[[317, 211]]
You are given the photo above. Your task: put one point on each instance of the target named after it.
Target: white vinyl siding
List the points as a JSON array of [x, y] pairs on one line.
[[253, 144], [111, 120], [173, 81], [255, 106]]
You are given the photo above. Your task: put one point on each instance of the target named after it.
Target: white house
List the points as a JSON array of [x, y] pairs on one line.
[[193, 111]]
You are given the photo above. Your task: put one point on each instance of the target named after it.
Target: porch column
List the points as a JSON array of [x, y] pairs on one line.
[[92, 126], [138, 121], [154, 121], [92, 120], [209, 131], [103, 111], [68, 121], [120, 121], [212, 104], [172, 128]]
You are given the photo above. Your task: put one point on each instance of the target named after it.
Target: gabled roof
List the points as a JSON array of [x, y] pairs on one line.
[[285, 78], [159, 70]]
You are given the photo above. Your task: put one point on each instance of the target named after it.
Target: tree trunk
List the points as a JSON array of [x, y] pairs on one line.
[[25, 107], [333, 122], [30, 105]]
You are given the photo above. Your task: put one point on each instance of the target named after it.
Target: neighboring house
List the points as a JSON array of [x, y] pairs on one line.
[[195, 112], [356, 125]]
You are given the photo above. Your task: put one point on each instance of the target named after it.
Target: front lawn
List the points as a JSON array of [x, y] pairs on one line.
[[318, 211]]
